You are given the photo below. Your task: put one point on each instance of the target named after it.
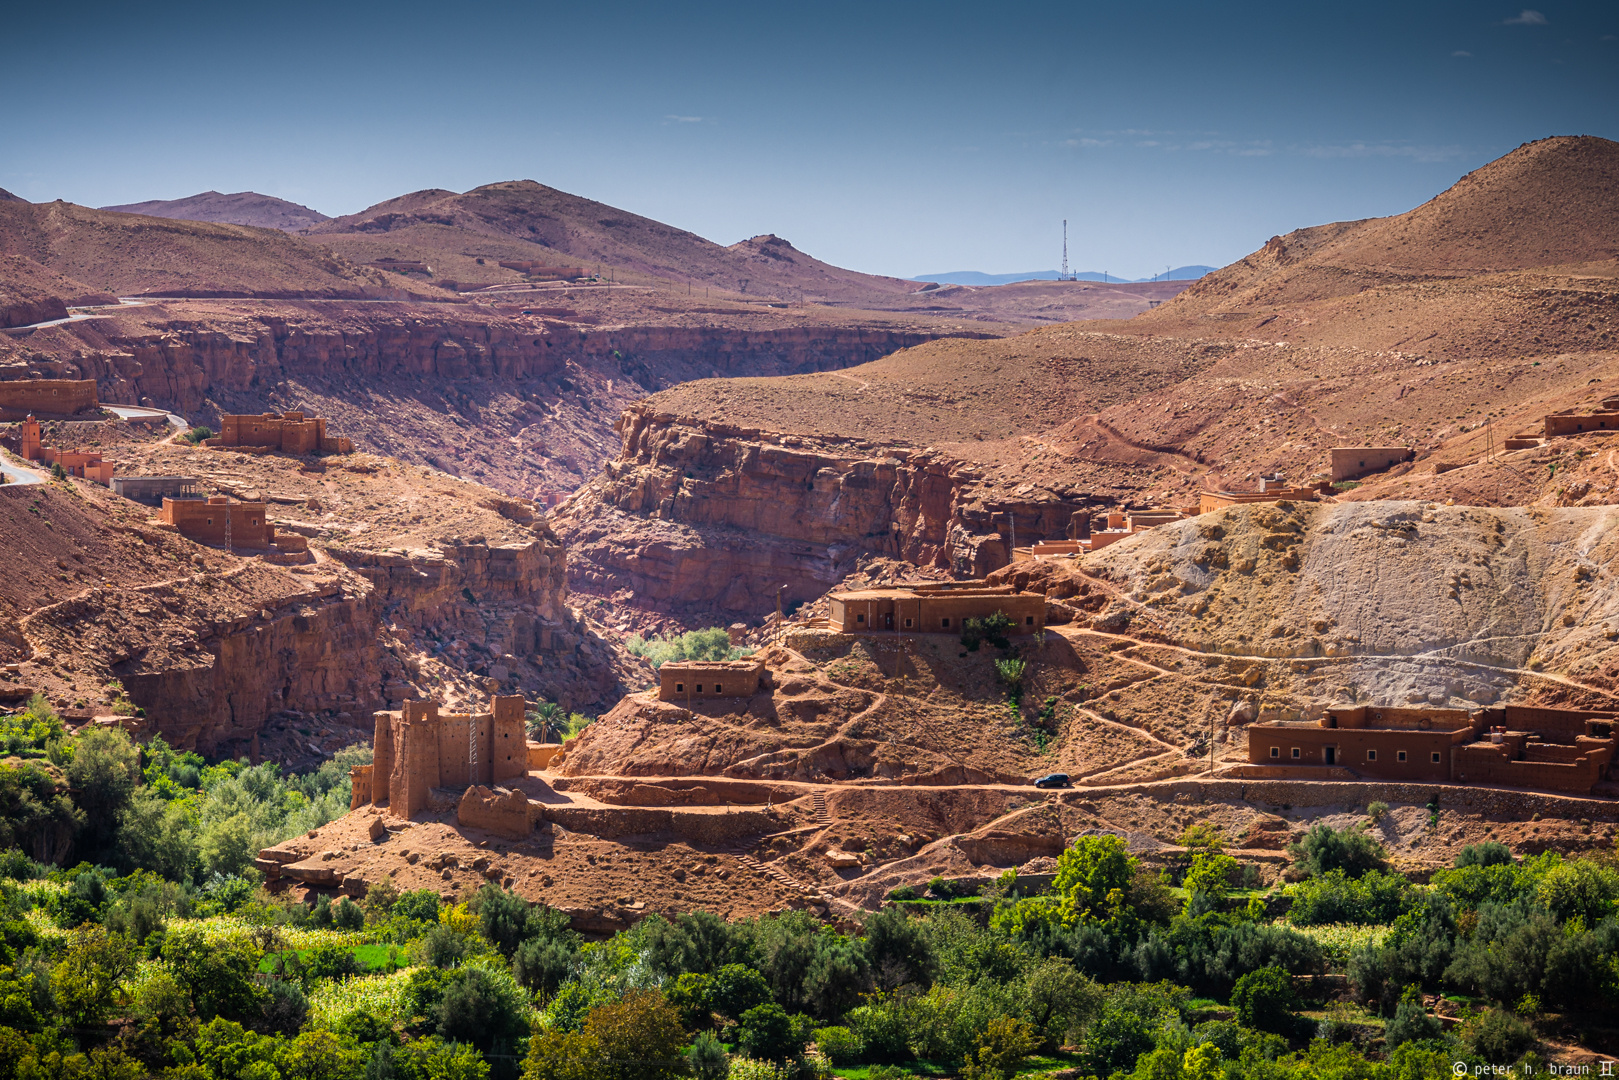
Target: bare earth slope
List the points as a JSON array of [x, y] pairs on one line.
[[30, 293], [238, 208], [130, 254], [578, 231], [1403, 331]]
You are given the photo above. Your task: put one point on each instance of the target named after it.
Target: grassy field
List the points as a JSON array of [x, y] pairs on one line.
[[372, 956]]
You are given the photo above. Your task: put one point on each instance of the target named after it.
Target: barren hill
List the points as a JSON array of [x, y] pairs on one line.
[[1401, 331], [570, 230], [30, 293], [1554, 202], [238, 208], [132, 254]]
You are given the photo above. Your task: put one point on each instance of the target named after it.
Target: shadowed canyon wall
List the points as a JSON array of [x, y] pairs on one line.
[[709, 516]]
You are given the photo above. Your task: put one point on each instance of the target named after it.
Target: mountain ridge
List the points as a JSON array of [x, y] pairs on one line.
[[237, 208]]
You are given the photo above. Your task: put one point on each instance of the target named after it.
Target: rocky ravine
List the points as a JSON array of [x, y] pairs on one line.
[[521, 399], [709, 518], [416, 585]]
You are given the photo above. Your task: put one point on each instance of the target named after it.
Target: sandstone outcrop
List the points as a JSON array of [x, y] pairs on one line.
[[1388, 602], [705, 515]]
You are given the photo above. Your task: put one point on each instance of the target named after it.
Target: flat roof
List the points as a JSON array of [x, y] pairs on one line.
[[745, 664], [925, 594]]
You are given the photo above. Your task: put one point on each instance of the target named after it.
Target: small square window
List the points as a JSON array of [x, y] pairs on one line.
[[680, 688], [1399, 755], [718, 689], [1276, 751], [699, 688], [907, 624], [944, 622], [1435, 757], [1295, 753], [1371, 755], [859, 618], [1028, 620]]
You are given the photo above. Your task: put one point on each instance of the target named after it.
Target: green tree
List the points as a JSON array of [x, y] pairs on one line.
[[1263, 998], [1058, 1000], [157, 834], [1489, 853], [736, 989], [706, 1057], [1210, 874], [319, 1055], [230, 844], [766, 1032], [220, 974], [85, 981], [432, 1058], [638, 1038], [1324, 848], [1579, 888], [503, 917], [1092, 878], [481, 1008], [103, 774], [17, 999], [1002, 1048]]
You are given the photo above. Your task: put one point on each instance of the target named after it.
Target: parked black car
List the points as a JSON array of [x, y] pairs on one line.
[[1056, 779]]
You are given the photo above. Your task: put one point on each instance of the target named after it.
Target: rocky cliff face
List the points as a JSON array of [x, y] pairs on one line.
[[212, 659], [712, 517], [1384, 602], [520, 401]]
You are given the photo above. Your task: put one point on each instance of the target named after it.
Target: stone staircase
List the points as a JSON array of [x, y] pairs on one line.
[[821, 816]]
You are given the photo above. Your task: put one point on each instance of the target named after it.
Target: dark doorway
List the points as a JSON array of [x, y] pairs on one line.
[[888, 622], [1332, 755]]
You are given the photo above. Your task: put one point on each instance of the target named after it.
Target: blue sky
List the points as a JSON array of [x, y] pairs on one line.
[[888, 137]]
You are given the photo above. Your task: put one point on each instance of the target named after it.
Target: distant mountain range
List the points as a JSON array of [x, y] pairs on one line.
[[238, 208], [974, 277]]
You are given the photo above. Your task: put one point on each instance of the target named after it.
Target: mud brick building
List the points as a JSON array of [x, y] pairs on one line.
[[152, 489], [21, 398], [290, 433], [418, 748], [211, 521], [686, 680], [1210, 501], [1563, 750], [935, 608], [1350, 462], [81, 463]]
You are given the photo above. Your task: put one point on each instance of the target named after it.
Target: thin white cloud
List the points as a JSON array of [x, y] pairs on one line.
[[1461, 52], [673, 119], [1527, 17], [1385, 150]]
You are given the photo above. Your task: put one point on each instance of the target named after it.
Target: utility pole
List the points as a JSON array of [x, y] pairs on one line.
[[1064, 275]]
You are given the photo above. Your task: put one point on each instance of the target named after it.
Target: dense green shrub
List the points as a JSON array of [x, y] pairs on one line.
[[711, 644], [1335, 897], [1263, 999], [1324, 849]]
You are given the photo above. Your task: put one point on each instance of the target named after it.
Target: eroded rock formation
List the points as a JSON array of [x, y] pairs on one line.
[[710, 516]]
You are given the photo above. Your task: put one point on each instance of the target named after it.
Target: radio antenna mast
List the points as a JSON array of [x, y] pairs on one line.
[[1064, 275]]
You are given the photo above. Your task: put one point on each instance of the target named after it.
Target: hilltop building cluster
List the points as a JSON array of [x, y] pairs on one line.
[[935, 607], [417, 748], [84, 464], [1567, 750], [289, 432]]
